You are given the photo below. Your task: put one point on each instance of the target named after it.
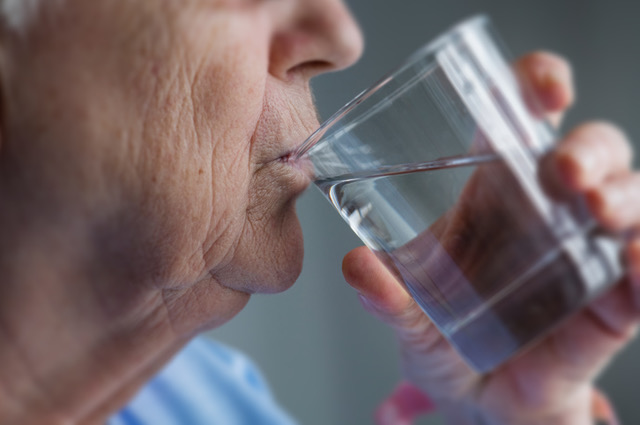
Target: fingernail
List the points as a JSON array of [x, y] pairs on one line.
[[549, 77], [602, 410], [553, 89], [569, 169], [576, 166], [607, 421], [607, 206]]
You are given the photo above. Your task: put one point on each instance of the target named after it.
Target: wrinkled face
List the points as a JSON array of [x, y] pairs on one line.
[[160, 129]]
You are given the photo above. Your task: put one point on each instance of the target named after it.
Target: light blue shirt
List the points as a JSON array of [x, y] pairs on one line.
[[205, 384]]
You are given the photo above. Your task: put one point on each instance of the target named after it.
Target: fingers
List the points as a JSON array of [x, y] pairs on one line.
[[615, 313], [373, 281], [633, 268], [547, 81], [577, 352], [601, 408], [381, 294], [595, 159], [426, 356], [587, 343], [592, 153], [616, 203]]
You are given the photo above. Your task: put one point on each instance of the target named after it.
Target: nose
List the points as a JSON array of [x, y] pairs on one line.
[[314, 36]]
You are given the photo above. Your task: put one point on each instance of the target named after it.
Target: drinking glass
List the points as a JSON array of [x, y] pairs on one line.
[[438, 168]]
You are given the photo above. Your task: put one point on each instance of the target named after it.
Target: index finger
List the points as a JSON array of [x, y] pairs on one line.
[[547, 82]]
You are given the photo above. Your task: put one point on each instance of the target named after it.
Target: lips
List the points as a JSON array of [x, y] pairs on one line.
[[288, 117], [302, 164]]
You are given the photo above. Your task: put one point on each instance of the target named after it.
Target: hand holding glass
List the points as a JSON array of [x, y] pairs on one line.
[[437, 169]]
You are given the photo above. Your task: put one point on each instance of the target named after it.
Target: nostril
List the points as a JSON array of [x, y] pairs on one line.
[[312, 67], [316, 37]]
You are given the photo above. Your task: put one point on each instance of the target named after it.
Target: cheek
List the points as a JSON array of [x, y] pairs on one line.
[[183, 181], [208, 169]]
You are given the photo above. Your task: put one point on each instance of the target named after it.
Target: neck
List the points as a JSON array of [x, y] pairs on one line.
[[74, 343]]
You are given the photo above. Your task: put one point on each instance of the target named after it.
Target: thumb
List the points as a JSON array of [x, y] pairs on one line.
[[428, 360], [382, 294]]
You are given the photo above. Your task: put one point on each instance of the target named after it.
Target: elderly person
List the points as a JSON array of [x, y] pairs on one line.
[[146, 193]]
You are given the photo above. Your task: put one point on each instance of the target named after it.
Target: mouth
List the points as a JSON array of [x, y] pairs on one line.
[[286, 173], [301, 165]]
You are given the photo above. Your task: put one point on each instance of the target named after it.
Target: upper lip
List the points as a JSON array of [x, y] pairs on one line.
[[288, 151], [282, 128], [289, 154]]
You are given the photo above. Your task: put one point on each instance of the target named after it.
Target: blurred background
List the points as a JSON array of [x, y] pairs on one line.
[[328, 362]]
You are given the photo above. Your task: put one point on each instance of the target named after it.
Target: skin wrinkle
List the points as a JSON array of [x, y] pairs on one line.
[[256, 213], [41, 379], [22, 359], [520, 386], [256, 134], [181, 78], [606, 327], [562, 356], [523, 386], [115, 107], [159, 357], [227, 226], [38, 392], [550, 416], [627, 331], [161, 210], [76, 96], [201, 249], [108, 391], [208, 243], [167, 294], [299, 121], [435, 369]]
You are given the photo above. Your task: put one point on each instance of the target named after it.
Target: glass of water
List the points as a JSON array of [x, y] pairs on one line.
[[437, 169]]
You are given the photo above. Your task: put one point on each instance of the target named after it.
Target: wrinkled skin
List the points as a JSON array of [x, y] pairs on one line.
[[145, 190], [552, 383]]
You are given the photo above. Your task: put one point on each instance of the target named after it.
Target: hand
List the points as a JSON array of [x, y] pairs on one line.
[[552, 382]]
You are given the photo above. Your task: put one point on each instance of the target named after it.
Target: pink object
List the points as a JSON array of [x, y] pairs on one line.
[[602, 409], [403, 406]]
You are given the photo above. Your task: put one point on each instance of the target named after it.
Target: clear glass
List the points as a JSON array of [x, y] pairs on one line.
[[437, 169]]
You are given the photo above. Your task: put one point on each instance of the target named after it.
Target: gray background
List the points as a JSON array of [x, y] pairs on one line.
[[327, 361]]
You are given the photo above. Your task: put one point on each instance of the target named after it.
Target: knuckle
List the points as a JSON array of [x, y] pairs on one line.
[[542, 56], [550, 60], [605, 131], [609, 130], [557, 61], [603, 211], [602, 133]]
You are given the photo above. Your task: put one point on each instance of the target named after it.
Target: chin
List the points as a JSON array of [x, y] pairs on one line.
[[287, 266], [268, 264]]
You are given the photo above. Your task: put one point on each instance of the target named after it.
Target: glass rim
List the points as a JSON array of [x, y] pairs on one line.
[[430, 47]]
